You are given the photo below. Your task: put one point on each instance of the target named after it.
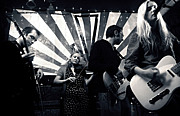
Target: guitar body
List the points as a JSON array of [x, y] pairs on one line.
[[115, 85], [153, 97]]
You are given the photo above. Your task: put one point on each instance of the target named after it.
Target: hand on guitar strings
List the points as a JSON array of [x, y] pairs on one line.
[[119, 74], [154, 74]]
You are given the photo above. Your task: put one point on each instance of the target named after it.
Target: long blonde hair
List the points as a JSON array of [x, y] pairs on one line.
[[144, 28]]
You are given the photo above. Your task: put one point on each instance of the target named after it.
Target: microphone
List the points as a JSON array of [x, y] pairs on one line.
[[159, 7]]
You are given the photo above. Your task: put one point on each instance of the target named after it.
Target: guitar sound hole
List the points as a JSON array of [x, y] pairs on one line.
[[154, 85]]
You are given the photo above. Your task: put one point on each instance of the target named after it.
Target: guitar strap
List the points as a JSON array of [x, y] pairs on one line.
[[122, 57], [119, 54]]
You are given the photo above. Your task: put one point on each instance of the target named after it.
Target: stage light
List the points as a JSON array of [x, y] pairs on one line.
[[51, 9], [31, 4]]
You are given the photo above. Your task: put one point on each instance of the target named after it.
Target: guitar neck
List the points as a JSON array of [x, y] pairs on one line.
[[176, 69]]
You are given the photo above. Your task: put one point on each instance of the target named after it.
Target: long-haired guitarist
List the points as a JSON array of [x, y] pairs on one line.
[[147, 47]]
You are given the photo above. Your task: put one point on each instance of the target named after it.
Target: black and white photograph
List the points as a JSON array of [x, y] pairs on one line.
[[90, 57]]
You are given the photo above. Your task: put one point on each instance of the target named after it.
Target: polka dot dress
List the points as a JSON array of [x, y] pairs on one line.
[[76, 99]]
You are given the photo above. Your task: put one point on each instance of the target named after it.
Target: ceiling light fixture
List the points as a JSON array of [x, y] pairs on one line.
[[31, 4]]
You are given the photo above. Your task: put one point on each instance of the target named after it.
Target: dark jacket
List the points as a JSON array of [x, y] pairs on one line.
[[102, 58]]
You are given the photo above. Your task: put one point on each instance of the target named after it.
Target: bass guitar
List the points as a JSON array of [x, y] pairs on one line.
[[153, 94], [115, 85]]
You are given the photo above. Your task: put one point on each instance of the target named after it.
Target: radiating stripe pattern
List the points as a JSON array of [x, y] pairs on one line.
[[61, 30]]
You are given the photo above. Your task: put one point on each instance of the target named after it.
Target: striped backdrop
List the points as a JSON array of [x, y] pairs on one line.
[[61, 30]]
